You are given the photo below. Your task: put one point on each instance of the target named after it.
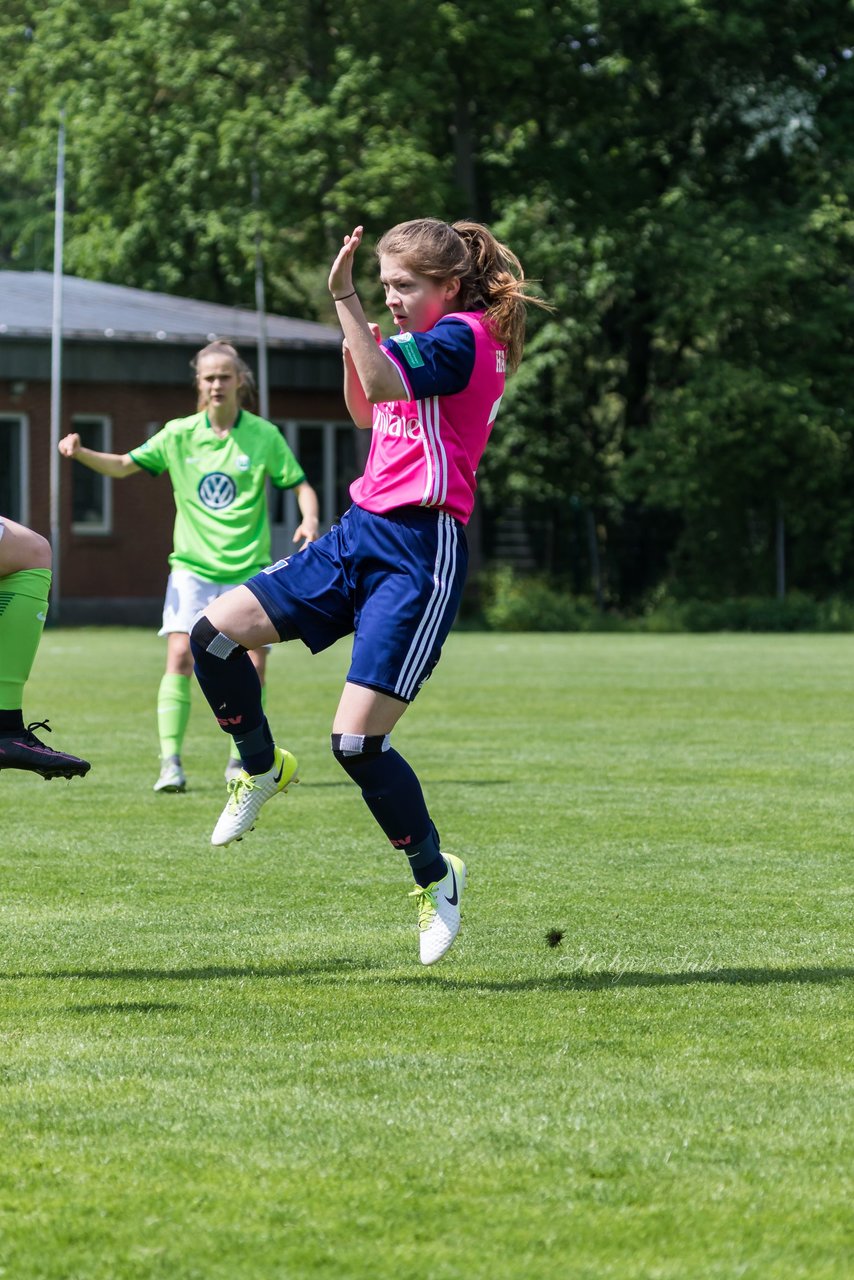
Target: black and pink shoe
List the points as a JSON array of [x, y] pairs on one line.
[[21, 749]]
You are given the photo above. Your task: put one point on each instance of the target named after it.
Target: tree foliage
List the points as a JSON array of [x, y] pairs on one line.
[[677, 175]]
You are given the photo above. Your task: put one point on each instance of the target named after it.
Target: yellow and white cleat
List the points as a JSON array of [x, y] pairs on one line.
[[439, 910], [248, 792]]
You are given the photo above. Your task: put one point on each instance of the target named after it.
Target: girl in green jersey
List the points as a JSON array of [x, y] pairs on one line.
[[218, 460]]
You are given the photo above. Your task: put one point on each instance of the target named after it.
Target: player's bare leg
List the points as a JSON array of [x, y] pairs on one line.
[[25, 573]]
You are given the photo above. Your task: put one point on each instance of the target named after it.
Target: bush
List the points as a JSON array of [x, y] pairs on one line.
[[793, 613], [835, 615], [515, 603]]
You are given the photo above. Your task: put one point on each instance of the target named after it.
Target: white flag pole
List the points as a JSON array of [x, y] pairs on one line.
[[260, 303], [56, 369]]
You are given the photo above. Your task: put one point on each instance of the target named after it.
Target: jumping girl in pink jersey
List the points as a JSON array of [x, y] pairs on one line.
[[392, 572]]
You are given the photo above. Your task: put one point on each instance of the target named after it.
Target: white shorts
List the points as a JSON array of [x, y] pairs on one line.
[[186, 597]]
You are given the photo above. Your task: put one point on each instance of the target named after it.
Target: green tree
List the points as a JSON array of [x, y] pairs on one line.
[[676, 173]]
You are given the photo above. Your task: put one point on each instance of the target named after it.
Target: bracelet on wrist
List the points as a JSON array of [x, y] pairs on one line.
[[344, 296]]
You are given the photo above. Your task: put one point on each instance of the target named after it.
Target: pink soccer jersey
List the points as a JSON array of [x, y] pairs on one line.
[[425, 451]]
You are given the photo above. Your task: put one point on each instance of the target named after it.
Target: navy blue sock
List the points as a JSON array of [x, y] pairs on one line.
[[230, 683], [425, 860], [256, 748], [393, 794]]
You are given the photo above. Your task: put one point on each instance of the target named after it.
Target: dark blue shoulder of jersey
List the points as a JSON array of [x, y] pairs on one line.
[[436, 363]]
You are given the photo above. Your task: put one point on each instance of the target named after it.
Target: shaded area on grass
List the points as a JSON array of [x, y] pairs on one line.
[[574, 981], [128, 1006]]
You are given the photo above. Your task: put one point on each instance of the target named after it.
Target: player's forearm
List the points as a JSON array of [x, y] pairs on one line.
[[114, 465], [379, 378], [358, 405], [309, 507]]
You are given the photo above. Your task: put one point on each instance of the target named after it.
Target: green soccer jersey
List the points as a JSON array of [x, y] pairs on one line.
[[222, 528]]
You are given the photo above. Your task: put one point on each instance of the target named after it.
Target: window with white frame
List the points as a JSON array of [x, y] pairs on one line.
[[326, 451], [14, 467], [91, 493]]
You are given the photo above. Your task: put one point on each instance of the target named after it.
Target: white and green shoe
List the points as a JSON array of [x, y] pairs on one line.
[[439, 910], [172, 776], [248, 792]]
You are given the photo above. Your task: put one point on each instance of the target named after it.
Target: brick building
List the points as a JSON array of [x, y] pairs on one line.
[[125, 371]]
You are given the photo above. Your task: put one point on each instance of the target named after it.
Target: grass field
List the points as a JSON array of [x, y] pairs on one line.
[[231, 1065]]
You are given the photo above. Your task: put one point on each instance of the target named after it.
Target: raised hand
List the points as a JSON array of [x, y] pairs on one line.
[[341, 274]]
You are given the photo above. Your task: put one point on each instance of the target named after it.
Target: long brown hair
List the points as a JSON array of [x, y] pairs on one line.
[[246, 389], [490, 275]]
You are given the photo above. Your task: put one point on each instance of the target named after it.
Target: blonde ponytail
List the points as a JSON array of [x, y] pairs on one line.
[[495, 282]]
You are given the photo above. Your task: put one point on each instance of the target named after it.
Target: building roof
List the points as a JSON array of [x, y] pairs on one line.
[[92, 310]]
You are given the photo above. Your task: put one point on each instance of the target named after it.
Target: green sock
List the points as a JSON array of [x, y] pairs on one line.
[[23, 609], [234, 753], [173, 713]]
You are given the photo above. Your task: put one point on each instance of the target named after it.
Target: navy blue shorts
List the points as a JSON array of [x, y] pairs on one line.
[[394, 580]]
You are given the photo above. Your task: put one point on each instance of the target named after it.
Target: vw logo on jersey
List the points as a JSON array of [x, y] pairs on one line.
[[217, 490]]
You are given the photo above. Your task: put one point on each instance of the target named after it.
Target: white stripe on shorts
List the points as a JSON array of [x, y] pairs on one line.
[[444, 570]]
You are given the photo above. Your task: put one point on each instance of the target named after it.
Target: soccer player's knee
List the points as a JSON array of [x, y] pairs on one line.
[[354, 749], [205, 639], [39, 550], [23, 549]]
